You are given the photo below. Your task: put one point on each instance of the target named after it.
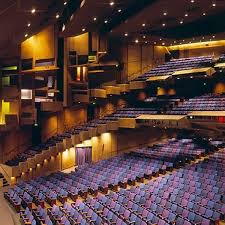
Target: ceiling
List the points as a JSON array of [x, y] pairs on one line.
[[152, 21]]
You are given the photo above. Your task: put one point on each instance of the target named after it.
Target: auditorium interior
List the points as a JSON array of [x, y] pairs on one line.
[[112, 112]]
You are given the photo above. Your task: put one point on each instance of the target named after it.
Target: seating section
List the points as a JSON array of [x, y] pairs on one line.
[[177, 65], [193, 194], [209, 102]]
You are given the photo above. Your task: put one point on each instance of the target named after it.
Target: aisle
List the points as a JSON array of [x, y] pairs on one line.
[[7, 214]]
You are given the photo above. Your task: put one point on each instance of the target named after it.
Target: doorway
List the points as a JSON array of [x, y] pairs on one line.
[[83, 155]]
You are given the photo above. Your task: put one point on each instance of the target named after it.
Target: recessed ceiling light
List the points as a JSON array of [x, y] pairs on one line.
[[29, 24], [165, 14], [143, 24], [57, 16], [111, 3], [106, 21], [186, 15], [126, 34], [33, 10], [163, 24], [119, 10], [95, 18], [26, 35], [65, 3], [136, 41]]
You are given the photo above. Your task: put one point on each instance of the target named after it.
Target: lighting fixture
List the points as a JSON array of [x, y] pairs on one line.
[[154, 43], [163, 43], [106, 21], [63, 27], [181, 22], [119, 10], [163, 24], [144, 36], [111, 3], [33, 10], [136, 41], [204, 14], [57, 16], [65, 3], [95, 18], [29, 24], [143, 24], [26, 35], [83, 29], [165, 14], [126, 34], [186, 15], [192, 1], [214, 4]]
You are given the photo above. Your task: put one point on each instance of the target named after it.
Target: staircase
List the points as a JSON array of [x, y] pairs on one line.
[[3, 181]]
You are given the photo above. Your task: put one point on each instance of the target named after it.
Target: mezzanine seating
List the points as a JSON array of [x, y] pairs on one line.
[[177, 65]]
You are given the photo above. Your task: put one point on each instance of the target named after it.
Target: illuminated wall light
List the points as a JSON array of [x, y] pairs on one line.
[[119, 10], [186, 15], [23, 173], [95, 18], [136, 41], [163, 43], [192, 1], [45, 160], [38, 165], [181, 22], [26, 35], [57, 16], [155, 43], [214, 4], [165, 14], [204, 14], [144, 36], [65, 3], [31, 169], [29, 24], [163, 24], [111, 3], [126, 34], [204, 84], [160, 39], [83, 29], [106, 21], [63, 27], [143, 24]]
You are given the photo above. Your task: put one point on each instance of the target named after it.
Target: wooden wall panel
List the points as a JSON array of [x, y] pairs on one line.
[[40, 46], [79, 44]]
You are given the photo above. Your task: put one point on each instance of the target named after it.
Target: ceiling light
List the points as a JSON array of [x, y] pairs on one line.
[[126, 34], [214, 4], [106, 21], [186, 15], [165, 14], [65, 3], [95, 18], [146, 42], [119, 10], [26, 35], [192, 1], [111, 3], [63, 27], [33, 10], [144, 36], [57, 16], [29, 24], [136, 41], [204, 14], [83, 29], [181, 22], [143, 24], [163, 24]]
